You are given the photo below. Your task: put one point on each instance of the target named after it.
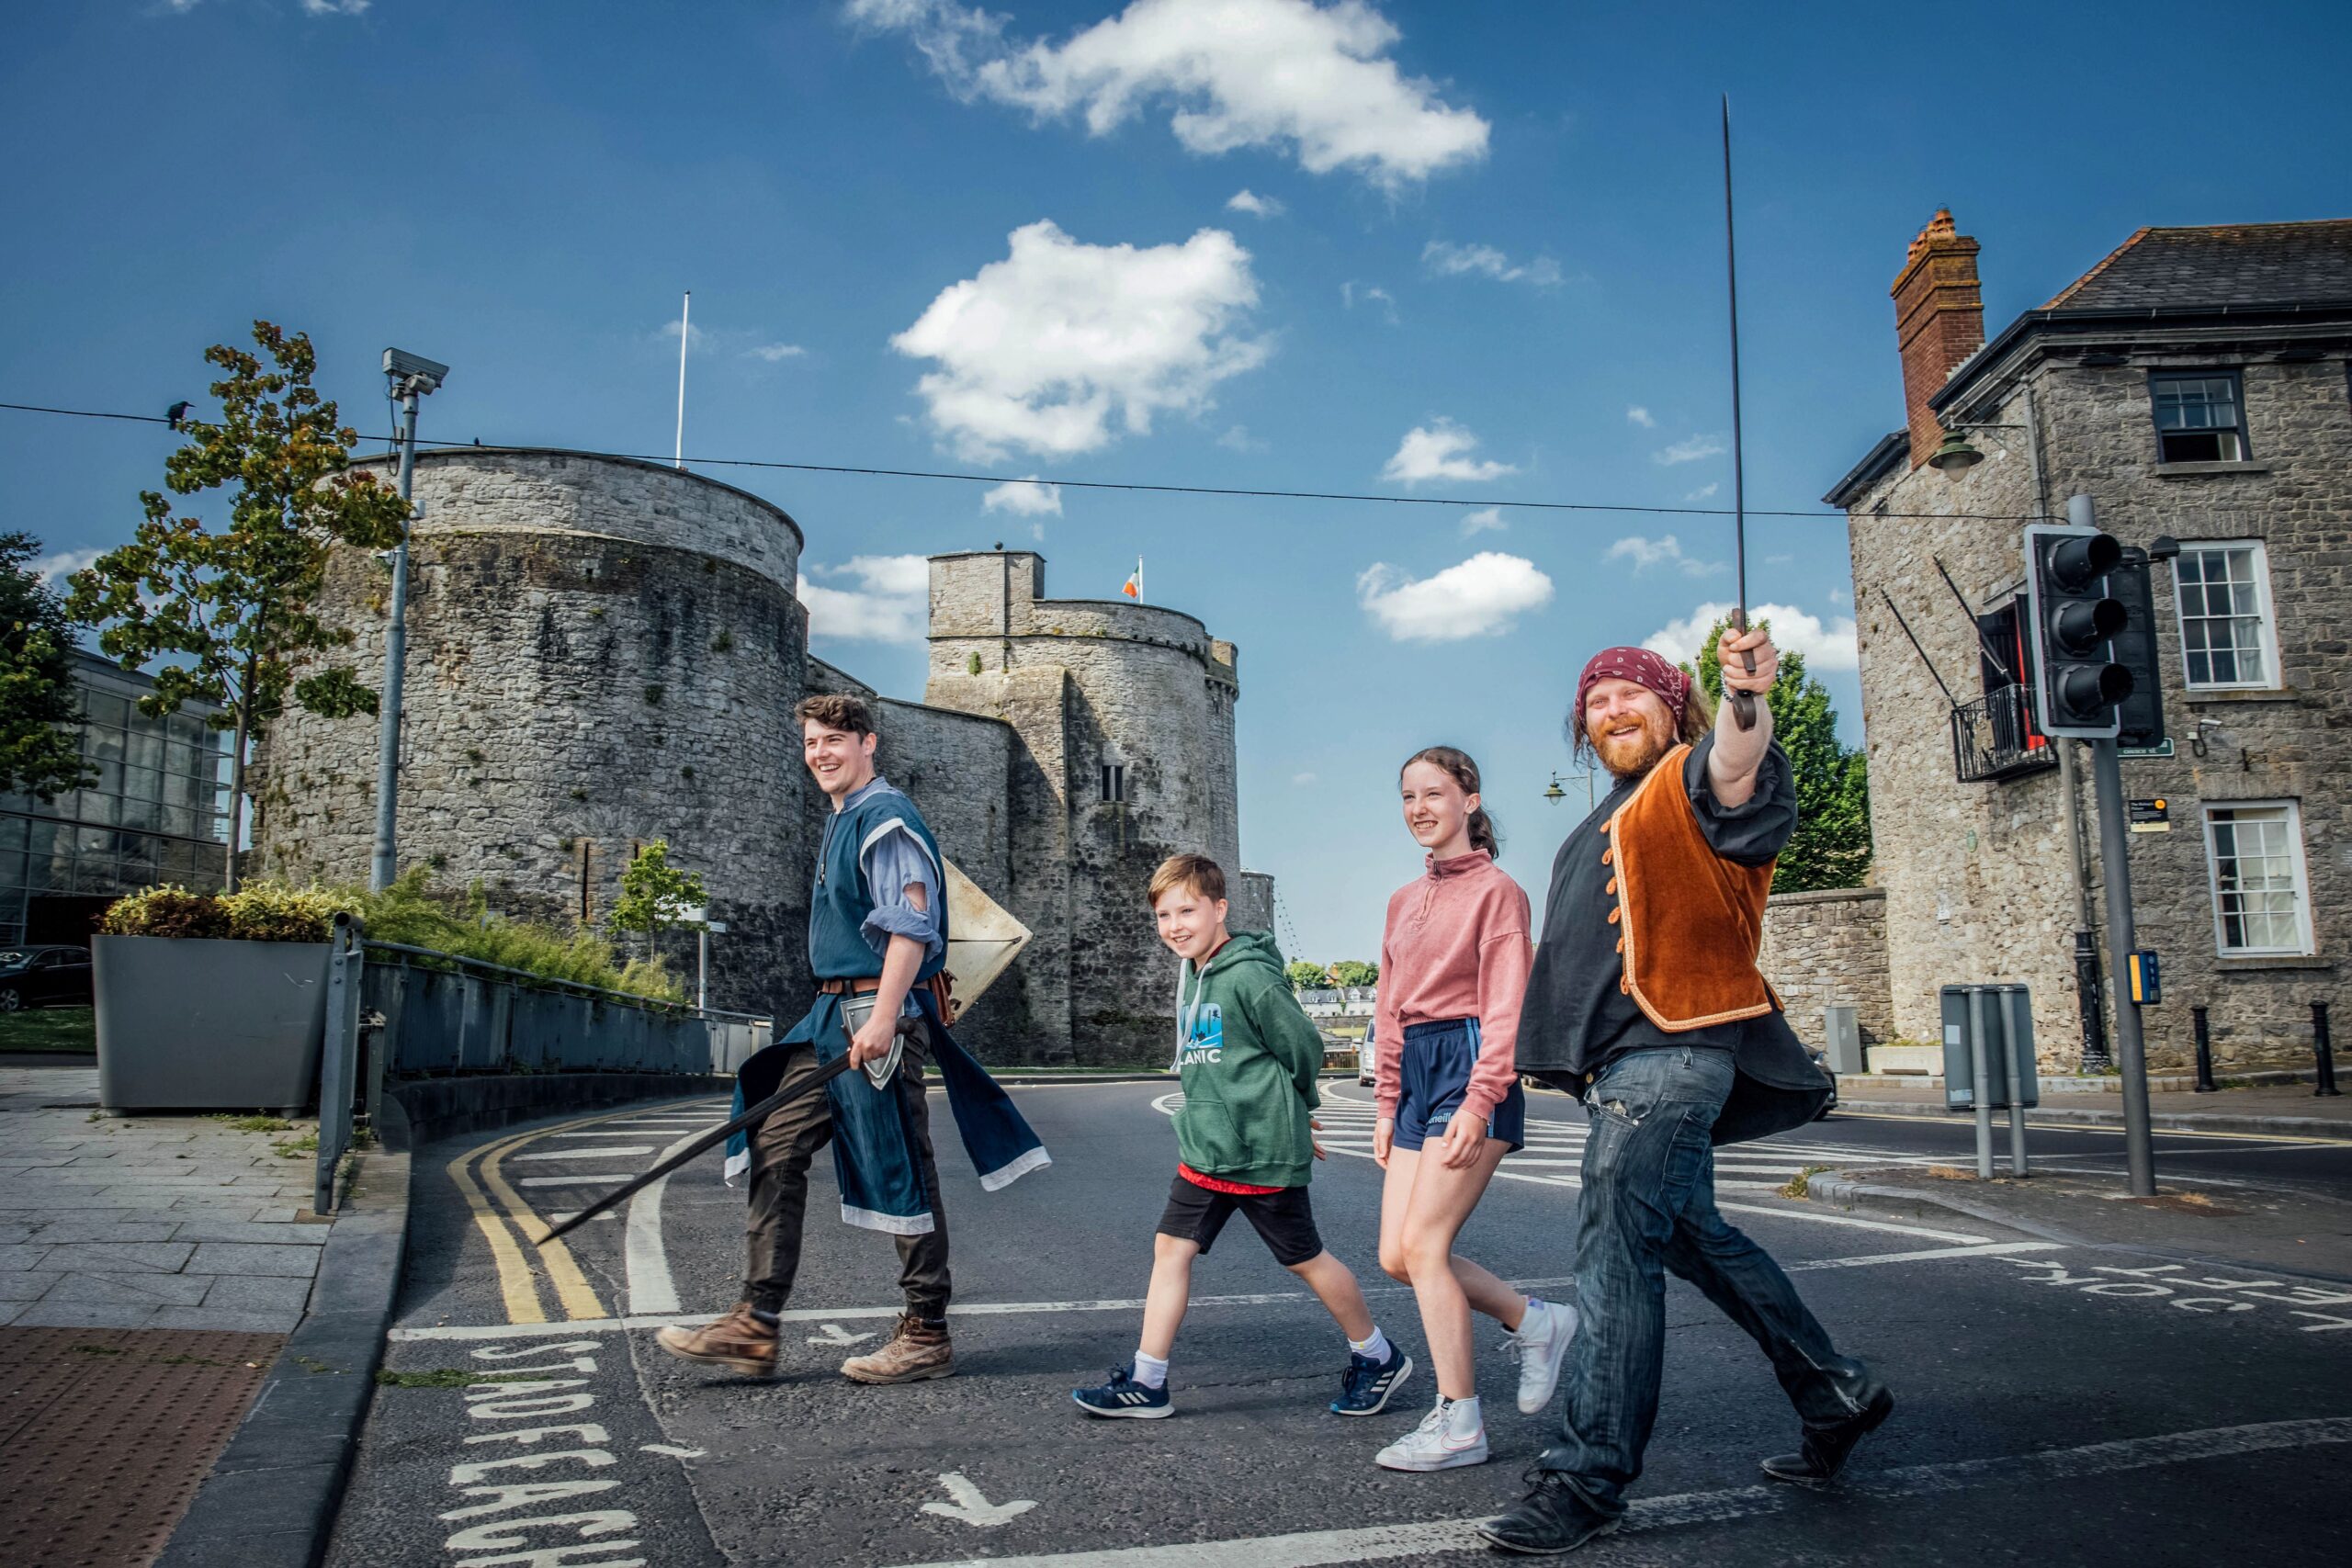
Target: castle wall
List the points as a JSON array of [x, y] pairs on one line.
[[1828, 949], [600, 653]]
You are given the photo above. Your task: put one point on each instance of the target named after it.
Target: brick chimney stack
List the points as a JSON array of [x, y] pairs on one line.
[[1938, 322]]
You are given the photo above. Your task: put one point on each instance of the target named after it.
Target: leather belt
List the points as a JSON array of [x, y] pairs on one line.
[[864, 987]]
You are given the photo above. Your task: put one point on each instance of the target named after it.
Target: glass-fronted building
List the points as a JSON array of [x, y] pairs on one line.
[[158, 811]]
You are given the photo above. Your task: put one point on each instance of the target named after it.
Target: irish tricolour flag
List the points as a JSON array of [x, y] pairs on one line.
[[1133, 588]]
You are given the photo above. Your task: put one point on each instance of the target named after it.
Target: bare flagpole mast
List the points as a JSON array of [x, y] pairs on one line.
[[1743, 703], [686, 313]]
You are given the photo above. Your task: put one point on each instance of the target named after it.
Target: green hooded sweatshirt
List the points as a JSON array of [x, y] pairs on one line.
[[1248, 1058]]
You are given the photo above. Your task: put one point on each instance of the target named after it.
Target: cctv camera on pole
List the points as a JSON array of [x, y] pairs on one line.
[[411, 377]]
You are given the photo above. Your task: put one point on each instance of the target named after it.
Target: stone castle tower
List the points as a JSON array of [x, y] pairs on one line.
[[602, 652]]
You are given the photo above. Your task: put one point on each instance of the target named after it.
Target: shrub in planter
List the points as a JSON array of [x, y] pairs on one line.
[[169, 911]]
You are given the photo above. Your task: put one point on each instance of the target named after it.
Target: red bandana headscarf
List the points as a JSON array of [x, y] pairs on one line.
[[1643, 668]]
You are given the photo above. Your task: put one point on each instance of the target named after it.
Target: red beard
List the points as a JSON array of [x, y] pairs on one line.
[[1630, 757]]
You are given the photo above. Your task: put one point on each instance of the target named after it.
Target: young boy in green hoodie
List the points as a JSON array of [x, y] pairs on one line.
[[1245, 1137]]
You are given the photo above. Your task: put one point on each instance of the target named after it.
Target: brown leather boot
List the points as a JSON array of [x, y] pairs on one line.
[[916, 1351], [737, 1340]]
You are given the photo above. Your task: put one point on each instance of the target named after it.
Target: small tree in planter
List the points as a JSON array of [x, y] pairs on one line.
[[231, 607]]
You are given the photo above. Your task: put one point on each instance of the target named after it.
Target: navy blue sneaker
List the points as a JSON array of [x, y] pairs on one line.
[[1365, 1386], [1125, 1396]]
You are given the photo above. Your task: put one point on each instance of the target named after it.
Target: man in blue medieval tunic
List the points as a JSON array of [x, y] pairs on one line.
[[877, 928]]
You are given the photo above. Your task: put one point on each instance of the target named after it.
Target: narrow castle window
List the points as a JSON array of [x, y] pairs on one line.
[[1115, 781]]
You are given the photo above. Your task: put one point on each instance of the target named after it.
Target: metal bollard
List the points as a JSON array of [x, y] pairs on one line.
[[2324, 1052], [2205, 1083]]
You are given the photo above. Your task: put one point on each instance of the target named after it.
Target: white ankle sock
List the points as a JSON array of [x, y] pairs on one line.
[[1376, 1348], [1461, 1415], [1150, 1370]]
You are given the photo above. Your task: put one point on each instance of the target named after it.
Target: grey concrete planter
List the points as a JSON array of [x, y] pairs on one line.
[[188, 1023]]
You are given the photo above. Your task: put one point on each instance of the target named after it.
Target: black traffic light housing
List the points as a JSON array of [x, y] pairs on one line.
[[2079, 688]]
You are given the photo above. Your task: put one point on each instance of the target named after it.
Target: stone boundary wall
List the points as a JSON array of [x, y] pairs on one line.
[[1829, 948]]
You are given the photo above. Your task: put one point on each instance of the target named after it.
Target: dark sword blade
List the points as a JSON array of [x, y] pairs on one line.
[[703, 1144], [1743, 703]]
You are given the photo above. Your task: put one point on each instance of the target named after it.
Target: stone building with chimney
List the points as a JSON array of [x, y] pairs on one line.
[[2194, 385], [602, 652]]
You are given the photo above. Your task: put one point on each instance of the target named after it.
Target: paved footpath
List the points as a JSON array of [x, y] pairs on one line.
[[2058, 1405], [150, 1269]]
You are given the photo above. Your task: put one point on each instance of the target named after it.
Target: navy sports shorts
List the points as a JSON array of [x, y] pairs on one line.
[[1433, 1070]]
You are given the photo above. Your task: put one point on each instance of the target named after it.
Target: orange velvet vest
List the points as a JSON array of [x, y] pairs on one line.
[[1694, 921]]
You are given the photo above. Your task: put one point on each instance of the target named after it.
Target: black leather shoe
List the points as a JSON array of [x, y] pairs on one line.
[[1825, 1447], [1552, 1518]]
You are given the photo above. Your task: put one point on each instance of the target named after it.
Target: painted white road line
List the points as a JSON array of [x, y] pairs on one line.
[[575, 1180], [583, 1153], [651, 1288], [1131, 1304], [2058, 1467], [972, 1506], [558, 1219]]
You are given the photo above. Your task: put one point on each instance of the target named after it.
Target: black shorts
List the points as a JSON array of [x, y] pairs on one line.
[[1283, 1220]]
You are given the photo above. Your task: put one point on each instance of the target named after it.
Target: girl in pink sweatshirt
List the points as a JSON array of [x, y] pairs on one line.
[[1453, 964]]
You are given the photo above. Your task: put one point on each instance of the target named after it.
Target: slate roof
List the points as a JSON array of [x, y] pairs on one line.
[[2220, 264]]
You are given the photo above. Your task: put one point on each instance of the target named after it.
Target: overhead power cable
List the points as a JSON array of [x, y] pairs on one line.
[[1136, 486]]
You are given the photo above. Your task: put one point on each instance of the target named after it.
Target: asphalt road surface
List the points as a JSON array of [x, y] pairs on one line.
[[2056, 1404]]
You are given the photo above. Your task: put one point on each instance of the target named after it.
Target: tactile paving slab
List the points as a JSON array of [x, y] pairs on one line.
[[105, 1434]]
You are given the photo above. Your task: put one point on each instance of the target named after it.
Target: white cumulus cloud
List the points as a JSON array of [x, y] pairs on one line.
[[334, 7], [1302, 778], [52, 570], [889, 601], [1480, 597], [1830, 646], [1486, 519], [1689, 449], [1485, 261], [1441, 450], [775, 352], [1049, 348], [1312, 80], [1024, 498], [1641, 416], [1704, 490], [1257, 205], [1666, 550]]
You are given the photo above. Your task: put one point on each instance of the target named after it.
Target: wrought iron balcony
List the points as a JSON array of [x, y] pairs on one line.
[[1994, 738]]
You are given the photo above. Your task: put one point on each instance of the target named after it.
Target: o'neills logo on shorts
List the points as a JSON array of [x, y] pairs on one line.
[[1203, 1037]]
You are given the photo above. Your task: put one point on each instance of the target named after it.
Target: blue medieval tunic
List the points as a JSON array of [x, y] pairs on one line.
[[881, 1180]]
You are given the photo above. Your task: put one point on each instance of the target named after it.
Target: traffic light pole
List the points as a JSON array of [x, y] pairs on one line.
[[2115, 862]]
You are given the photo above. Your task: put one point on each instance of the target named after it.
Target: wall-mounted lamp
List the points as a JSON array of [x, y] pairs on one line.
[[1958, 454]]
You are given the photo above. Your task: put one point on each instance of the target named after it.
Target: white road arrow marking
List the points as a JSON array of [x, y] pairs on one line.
[[834, 1334], [971, 1506], [669, 1450]]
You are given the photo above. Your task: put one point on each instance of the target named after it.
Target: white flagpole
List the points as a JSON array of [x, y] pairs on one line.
[[1139, 580], [686, 313]]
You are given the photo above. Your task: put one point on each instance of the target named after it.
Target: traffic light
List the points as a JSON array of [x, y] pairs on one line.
[[2142, 713], [2079, 688]]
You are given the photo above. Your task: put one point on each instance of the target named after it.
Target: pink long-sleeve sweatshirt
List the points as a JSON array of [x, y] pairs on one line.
[[1455, 946]]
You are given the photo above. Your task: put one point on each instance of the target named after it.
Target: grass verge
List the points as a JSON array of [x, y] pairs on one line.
[[50, 1029]]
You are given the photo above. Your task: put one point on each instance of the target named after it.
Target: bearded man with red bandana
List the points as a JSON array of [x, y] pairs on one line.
[[1646, 1003]]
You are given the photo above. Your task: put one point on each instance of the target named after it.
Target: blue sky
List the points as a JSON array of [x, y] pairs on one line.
[[1481, 257]]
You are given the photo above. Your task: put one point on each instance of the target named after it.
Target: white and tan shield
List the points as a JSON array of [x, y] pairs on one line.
[[983, 939]]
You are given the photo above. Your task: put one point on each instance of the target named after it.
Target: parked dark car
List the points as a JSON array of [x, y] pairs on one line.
[[44, 977], [1821, 1060]]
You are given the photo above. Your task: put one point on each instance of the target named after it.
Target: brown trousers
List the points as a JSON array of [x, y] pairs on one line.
[[782, 1148]]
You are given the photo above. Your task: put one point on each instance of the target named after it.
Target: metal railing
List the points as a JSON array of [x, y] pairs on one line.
[[432, 1013], [1994, 738]]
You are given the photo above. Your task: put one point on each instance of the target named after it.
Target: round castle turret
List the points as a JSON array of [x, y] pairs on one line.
[[1126, 711], [600, 652]]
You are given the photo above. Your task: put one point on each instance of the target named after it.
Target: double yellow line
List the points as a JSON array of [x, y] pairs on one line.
[[500, 1213]]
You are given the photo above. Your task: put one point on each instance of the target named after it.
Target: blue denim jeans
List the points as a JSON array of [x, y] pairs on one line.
[[1648, 1205]]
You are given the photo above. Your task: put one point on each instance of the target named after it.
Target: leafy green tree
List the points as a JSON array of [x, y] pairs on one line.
[[1304, 976], [656, 894], [1355, 972], [228, 609], [1831, 847], [40, 741]]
